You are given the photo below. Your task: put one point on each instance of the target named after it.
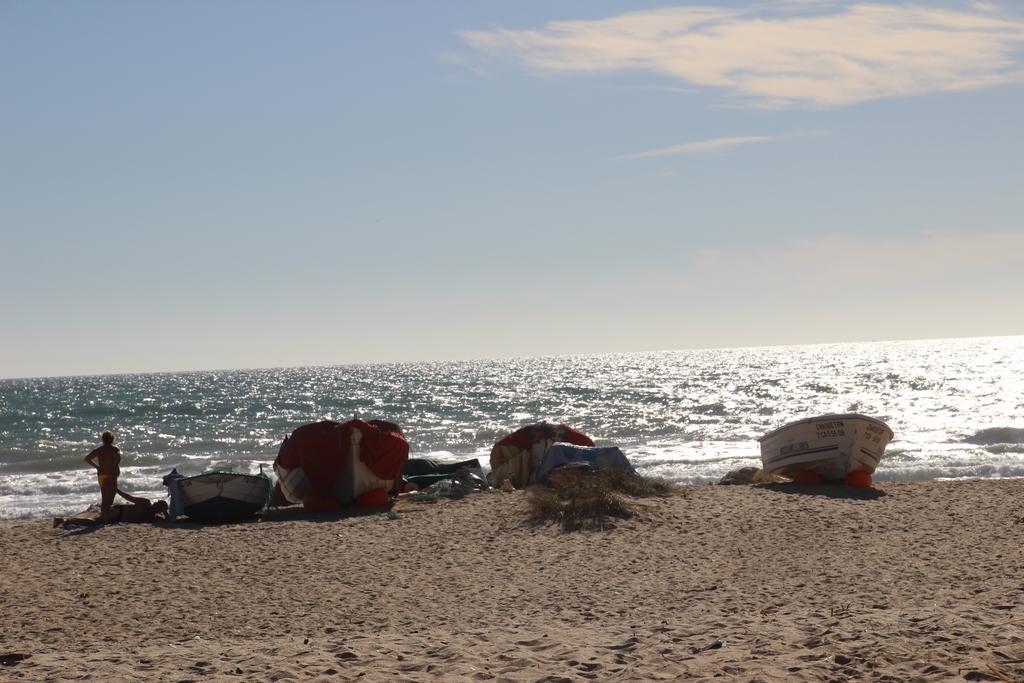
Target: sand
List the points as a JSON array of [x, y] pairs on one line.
[[912, 581]]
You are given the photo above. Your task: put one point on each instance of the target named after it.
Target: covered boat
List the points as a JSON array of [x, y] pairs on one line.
[[517, 456], [830, 446], [561, 455], [426, 471], [218, 497], [327, 465]]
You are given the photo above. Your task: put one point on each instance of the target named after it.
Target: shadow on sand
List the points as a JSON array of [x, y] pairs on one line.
[[288, 514], [274, 515], [827, 491]]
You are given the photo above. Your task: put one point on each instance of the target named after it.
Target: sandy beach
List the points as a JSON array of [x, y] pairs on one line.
[[909, 581]]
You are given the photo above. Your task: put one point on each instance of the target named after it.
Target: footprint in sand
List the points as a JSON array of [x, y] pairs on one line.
[[628, 645], [528, 643]]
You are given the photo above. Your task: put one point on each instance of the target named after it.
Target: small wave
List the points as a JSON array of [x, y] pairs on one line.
[[899, 455], [451, 456], [54, 489], [626, 436], [997, 435], [710, 409], [69, 462], [35, 463], [188, 409], [682, 463], [104, 410], [979, 471], [1004, 448]]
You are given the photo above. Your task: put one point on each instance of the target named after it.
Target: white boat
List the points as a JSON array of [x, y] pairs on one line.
[[219, 497], [831, 446]]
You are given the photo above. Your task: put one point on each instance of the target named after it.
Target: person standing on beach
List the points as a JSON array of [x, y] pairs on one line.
[[107, 461]]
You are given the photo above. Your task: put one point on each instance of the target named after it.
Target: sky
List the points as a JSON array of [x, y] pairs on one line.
[[192, 185]]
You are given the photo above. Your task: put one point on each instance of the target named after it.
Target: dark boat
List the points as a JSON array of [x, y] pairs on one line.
[[218, 497]]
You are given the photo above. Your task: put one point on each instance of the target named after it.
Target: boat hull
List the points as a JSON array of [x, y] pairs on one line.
[[219, 497], [831, 446]]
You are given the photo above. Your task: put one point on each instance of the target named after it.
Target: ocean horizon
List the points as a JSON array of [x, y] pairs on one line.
[[956, 407]]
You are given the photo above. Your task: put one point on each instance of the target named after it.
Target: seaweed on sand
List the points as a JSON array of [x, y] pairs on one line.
[[580, 498]]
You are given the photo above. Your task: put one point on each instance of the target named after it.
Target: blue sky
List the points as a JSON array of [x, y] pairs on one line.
[[251, 184]]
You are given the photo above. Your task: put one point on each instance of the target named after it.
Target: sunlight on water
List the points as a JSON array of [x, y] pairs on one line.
[[956, 406]]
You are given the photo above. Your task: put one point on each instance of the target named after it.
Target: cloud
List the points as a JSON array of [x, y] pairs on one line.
[[783, 54], [704, 146], [660, 88], [695, 147]]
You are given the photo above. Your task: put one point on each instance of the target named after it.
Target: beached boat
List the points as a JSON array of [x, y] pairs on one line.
[[830, 446], [219, 497]]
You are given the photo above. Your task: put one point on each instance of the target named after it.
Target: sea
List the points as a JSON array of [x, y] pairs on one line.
[[956, 407]]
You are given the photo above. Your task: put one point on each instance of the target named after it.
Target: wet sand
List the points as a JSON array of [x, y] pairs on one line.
[[911, 581]]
